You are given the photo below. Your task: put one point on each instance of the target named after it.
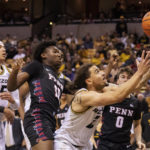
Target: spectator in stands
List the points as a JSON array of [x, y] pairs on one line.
[[144, 39], [58, 37], [20, 54], [124, 39], [96, 59], [87, 41], [11, 52], [72, 48], [71, 38], [121, 26]]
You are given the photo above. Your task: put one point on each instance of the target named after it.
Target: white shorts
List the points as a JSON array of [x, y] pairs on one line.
[[2, 136], [61, 144]]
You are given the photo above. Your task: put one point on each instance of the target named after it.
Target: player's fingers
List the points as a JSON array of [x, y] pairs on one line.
[[5, 97], [139, 146], [137, 63], [5, 94], [147, 56], [143, 54], [143, 146], [148, 62]]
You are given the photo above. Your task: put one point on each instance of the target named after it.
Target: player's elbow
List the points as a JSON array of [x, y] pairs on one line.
[[11, 88]]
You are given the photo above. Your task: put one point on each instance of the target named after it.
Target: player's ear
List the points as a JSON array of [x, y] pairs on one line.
[[88, 81], [43, 55]]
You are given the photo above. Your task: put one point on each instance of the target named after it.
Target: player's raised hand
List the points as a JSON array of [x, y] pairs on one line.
[[18, 64], [9, 114], [144, 64], [7, 96]]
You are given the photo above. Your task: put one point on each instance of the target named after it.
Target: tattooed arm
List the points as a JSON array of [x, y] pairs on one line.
[[77, 104]]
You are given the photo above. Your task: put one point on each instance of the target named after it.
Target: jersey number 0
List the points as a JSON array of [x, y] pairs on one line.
[[119, 121]]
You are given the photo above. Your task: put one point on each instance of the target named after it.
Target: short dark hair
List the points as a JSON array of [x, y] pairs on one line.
[[128, 70], [41, 48], [81, 75]]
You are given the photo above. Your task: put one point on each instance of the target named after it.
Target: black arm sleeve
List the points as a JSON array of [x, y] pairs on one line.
[[33, 69], [2, 109]]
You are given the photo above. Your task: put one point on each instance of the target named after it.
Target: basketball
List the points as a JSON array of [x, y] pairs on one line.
[[146, 23]]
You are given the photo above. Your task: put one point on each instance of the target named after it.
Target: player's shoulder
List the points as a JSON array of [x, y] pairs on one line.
[[33, 66], [79, 93], [5, 70], [110, 87], [134, 101], [82, 90]]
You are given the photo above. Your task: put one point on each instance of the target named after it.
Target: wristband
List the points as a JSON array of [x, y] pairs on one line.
[[2, 109]]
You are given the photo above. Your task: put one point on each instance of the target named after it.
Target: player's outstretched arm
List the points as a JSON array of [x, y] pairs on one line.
[[144, 79], [92, 98], [23, 92], [138, 133]]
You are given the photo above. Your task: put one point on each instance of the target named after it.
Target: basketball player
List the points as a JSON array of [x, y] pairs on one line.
[[118, 119], [61, 112], [87, 105], [7, 99], [25, 102], [46, 86], [9, 114]]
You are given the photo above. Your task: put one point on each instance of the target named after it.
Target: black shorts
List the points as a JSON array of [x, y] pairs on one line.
[[107, 145], [38, 127]]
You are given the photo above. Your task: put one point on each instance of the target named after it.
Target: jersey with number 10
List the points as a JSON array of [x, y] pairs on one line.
[[45, 89], [118, 118]]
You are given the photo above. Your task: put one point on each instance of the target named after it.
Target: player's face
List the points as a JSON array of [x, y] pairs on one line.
[[54, 56], [98, 78], [2, 53], [123, 77]]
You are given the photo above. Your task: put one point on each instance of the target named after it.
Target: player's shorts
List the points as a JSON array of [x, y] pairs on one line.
[[62, 144], [107, 145], [2, 137], [38, 128]]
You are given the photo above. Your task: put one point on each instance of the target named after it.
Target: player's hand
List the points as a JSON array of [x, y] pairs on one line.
[[7, 96], [144, 65], [9, 114], [18, 64], [141, 146]]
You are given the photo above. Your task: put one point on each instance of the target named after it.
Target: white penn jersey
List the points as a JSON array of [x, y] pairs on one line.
[[79, 127], [4, 75]]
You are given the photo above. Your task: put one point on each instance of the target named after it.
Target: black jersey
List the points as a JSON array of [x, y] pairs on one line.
[[61, 114], [118, 118], [45, 89]]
